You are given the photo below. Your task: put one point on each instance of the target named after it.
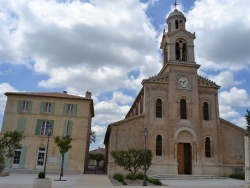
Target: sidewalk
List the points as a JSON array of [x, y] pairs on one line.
[[89, 180]]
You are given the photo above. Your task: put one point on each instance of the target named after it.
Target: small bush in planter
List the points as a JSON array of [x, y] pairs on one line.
[[154, 181], [139, 176], [41, 175], [120, 178], [240, 176], [129, 177]]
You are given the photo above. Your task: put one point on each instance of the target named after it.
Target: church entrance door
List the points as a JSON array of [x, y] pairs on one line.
[[184, 158]]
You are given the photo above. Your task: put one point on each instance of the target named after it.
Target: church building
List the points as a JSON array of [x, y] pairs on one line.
[[180, 110]]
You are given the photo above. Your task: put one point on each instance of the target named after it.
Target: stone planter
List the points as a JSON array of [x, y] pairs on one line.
[[4, 174], [42, 183]]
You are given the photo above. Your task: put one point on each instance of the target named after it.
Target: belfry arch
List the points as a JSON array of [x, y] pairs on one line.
[[181, 50]]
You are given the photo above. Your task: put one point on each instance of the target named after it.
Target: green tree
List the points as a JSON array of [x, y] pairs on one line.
[[92, 136], [8, 144], [247, 117], [97, 157], [64, 144], [132, 160]]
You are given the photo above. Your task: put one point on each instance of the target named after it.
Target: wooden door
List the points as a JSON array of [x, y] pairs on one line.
[[181, 158], [188, 158], [184, 158]]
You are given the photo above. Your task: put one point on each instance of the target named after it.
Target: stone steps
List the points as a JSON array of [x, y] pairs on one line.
[[184, 177]]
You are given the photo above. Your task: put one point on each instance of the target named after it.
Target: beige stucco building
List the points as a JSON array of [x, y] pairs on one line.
[[180, 110], [35, 114]]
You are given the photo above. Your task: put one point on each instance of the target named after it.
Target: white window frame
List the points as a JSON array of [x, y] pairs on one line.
[[70, 108], [45, 126], [48, 107], [25, 106]]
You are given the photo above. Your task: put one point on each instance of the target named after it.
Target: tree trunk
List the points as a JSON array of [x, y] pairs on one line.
[[61, 174], [97, 165], [133, 176]]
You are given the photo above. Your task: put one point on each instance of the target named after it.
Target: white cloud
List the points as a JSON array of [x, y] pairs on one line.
[[80, 45], [108, 112], [230, 102], [241, 121], [224, 79], [4, 87], [227, 112], [100, 130], [222, 31], [119, 97], [234, 97]]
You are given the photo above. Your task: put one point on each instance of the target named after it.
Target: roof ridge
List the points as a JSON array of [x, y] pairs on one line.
[[47, 94]]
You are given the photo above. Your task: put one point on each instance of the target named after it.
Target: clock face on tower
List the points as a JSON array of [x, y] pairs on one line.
[[183, 82]]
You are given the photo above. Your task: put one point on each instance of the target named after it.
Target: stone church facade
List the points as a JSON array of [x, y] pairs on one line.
[[180, 110]]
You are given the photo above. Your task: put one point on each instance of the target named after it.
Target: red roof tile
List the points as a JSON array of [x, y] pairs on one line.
[[47, 94]]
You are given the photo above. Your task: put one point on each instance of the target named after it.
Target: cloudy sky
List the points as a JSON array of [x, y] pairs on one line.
[[108, 47]]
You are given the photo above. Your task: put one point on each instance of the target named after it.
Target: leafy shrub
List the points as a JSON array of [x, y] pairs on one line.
[[124, 183], [41, 175], [129, 177], [119, 177], [154, 181], [240, 176], [139, 176]]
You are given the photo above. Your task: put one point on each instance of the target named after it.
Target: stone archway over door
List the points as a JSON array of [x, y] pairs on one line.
[[184, 158]]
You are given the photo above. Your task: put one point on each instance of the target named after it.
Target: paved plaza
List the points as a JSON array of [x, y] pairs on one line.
[[85, 180]]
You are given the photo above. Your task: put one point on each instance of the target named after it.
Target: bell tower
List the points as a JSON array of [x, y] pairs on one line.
[[177, 43]]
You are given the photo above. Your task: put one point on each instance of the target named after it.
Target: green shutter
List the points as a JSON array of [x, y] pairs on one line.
[[66, 162], [51, 122], [74, 109], [67, 129], [7, 163], [22, 157], [70, 128], [38, 127], [42, 107], [52, 108], [30, 106], [19, 106], [21, 125], [65, 109]]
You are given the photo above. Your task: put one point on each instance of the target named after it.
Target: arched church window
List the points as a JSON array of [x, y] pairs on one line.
[[205, 111], [181, 50], [181, 23], [176, 24], [207, 147], [165, 53], [183, 109], [169, 26], [158, 151], [158, 108]]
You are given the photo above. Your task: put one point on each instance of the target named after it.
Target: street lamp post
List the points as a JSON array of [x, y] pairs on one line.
[[145, 131], [44, 169]]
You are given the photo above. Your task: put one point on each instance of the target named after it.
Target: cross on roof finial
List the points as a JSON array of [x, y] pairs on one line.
[[175, 4]]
